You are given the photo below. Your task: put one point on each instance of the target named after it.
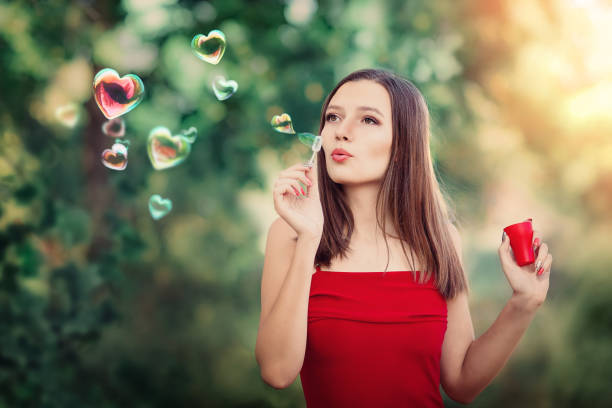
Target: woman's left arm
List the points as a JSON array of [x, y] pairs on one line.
[[486, 356]]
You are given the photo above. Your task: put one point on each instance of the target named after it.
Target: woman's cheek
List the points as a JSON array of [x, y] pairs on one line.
[[381, 151]]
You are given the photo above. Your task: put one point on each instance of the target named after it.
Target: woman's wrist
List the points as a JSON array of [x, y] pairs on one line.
[[310, 237], [525, 303]]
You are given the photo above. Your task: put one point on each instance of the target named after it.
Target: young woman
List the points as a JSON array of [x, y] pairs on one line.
[[358, 335]]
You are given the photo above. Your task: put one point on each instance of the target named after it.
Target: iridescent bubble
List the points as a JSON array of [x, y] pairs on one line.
[[209, 48], [117, 96], [68, 115], [116, 157], [282, 123], [307, 138], [224, 88], [114, 127], [166, 150], [190, 134], [158, 206]]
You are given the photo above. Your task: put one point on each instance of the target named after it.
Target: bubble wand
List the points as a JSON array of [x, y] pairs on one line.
[[282, 123], [316, 146]]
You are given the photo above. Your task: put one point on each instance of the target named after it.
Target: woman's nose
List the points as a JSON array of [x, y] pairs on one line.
[[341, 136], [343, 131]]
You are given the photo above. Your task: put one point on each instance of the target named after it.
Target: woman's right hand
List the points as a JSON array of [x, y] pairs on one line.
[[302, 212]]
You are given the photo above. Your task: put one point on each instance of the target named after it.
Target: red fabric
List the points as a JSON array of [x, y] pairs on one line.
[[373, 341]]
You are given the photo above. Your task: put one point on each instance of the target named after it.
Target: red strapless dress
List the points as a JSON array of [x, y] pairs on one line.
[[373, 341]]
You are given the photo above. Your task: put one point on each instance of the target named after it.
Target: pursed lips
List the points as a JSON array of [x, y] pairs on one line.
[[340, 157]]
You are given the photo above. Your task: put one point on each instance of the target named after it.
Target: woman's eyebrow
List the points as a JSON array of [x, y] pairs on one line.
[[361, 108]]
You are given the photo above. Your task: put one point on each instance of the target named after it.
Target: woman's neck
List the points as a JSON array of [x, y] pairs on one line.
[[362, 202]]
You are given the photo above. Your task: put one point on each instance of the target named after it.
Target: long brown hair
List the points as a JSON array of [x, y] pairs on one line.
[[409, 191]]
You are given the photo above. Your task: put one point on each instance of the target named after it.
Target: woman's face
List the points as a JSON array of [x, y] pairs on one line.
[[358, 120]]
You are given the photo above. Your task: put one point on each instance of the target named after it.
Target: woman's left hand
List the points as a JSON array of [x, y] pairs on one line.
[[524, 280]]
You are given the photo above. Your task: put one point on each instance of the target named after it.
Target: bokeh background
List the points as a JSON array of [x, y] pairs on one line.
[[101, 306]]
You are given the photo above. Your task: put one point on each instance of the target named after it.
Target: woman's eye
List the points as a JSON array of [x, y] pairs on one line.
[[331, 117], [372, 121]]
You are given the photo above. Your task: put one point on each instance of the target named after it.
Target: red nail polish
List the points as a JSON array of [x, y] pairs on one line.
[[302, 191], [540, 271]]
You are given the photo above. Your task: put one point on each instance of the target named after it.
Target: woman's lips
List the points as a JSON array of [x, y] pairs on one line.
[[340, 157]]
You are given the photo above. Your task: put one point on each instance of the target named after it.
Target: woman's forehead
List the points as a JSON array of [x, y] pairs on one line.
[[355, 94]]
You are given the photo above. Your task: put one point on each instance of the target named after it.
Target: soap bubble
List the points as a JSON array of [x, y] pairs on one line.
[[116, 157], [282, 123], [117, 96], [166, 150], [224, 88], [190, 134], [114, 127], [158, 206], [209, 48], [306, 138]]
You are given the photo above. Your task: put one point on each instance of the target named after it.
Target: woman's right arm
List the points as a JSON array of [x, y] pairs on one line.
[[293, 240], [285, 289]]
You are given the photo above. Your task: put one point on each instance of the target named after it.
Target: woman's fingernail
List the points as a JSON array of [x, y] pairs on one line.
[[540, 271], [302, 191], [536, 242]]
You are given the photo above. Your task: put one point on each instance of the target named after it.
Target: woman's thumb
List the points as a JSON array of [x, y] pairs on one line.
[[505, 244], [505, 251]]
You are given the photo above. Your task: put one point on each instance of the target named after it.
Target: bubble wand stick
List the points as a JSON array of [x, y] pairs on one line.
[[316, 146]]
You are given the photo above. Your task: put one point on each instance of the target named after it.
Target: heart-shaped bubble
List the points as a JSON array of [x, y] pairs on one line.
[[114, 127], [209, 48], [116, 157], [190, 134], [282, 123], [224, 88], [117, 96], [158, 206], [166, 150], [68, 115], [307, 138]]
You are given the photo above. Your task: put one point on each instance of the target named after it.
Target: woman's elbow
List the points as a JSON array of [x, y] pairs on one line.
[[460, 398], [275, 381], [464, 401], [272, 383]]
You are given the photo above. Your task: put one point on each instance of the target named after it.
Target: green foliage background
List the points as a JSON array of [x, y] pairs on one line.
[[100, 306]]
